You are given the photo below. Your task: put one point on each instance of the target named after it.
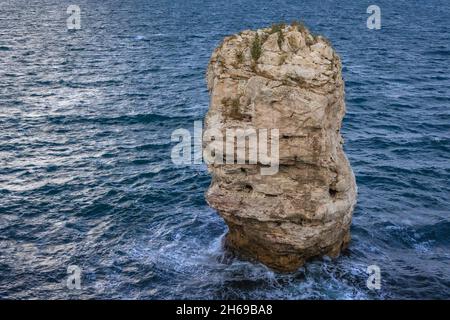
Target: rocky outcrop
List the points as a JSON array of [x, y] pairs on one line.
[[285, 78]]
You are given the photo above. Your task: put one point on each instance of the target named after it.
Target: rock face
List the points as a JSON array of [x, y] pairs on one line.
[[285, 78]]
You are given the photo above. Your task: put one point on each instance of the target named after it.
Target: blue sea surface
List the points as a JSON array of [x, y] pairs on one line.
[[86, 176]]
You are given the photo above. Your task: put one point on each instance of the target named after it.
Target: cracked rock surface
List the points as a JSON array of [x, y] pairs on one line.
[[288, 79]]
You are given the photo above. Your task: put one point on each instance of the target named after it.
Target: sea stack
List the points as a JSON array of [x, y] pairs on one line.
[[284, 78]]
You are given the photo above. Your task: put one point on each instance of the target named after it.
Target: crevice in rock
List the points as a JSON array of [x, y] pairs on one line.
[[333, 193]]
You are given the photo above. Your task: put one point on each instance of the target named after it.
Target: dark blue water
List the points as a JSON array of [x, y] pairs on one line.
[[85, 171]]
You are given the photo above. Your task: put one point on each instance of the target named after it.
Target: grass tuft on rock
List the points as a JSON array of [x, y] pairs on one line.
[[280, 39], [300, 26], [256, 48], [277, 27], [232, 108]]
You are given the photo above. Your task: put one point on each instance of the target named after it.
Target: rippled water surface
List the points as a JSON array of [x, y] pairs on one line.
[[85, 172]]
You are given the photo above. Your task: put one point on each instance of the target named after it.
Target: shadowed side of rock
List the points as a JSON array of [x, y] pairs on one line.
[[287, 79]]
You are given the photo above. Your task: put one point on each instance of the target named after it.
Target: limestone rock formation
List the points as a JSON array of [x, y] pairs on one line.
[[286, 78]]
